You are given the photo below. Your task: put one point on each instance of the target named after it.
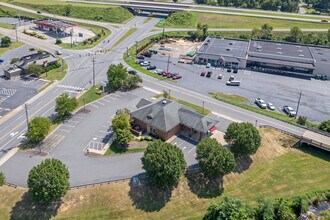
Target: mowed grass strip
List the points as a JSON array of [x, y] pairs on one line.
[[89, 96], [56, 74], [276, 171], [238, 21], [126, 35]]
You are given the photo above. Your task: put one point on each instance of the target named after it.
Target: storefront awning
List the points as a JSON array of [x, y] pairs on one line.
[[212, 129]]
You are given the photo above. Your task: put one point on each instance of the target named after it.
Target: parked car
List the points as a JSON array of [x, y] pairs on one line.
[[2, 60], [177, 77], [181, 61], [209, 74], [158, 71], [131, 71], [270, 106], [325, 21], [171, 75], [233, 83], [220, 76], [203, 73], [153, 51], [235, 71], [145, 63], [208, 65], [151, 67], [229, 70], [141, 57], [166, 73], [147, 54], [58, 52], [231, 78], [261, 103], [139, 61], [289, 111], [39, 12]]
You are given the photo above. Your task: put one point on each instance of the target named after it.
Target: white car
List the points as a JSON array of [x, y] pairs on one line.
[[158, 71], [145, 63], [58, 52], [208, 65], [261, 103], [270, 106], [289, 111]]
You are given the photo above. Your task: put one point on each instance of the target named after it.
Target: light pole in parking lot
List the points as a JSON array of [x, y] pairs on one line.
[[168, 62], [26, 115], [300, 93], [136, 44], [203, 106], [169, 94], [84, 105]]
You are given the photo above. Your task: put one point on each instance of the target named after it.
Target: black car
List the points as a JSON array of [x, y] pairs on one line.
[[171, 75], [140, 57], [147, 54], [229, 70], [151, 67], [133, 72], [209, 74], [235, 71]]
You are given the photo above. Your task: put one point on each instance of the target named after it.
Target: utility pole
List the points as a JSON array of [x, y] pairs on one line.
[[16, 32], [203, 107], [26, 115], [163, 29], [126, 51], [300, 93], [93, 71], [169, 94], [168, 62], [62, 65], [71, 33], [84, 105]]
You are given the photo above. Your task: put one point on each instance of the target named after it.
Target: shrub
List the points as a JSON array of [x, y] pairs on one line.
[[58, 41], [302, 120], [2, 179], [325, 126]]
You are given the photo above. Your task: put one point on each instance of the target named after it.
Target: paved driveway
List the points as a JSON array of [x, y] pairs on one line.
[[188, 148]]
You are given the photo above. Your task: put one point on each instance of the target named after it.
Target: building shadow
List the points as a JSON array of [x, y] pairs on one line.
[[147, 197], [314, 151], [204, 186], [27, 209], [243, 163]]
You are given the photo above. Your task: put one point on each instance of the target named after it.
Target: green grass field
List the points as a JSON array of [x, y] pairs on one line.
[[5, 25], [234, 21], [113, 150], [56, 74], [94, 12], [89, 96], [276, 171], [13, 46]]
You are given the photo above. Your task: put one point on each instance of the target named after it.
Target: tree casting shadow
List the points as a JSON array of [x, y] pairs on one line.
[[148, 197], [203, 186], [27, 209], [243, 163]]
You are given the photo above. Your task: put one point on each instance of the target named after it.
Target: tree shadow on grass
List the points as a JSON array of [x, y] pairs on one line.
[[243, 163], [147, 197], [27, 209], [203, 186], [314, 151]]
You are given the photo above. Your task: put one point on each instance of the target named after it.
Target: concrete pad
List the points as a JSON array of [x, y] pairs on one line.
[[219, 137]]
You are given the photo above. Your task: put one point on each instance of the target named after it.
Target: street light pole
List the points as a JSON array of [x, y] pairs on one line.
[[26, 115], [203, 107], [136, 50], [93, 71], [84, 105], [169, 94], [16, 32], [300, 93], [168, 62]]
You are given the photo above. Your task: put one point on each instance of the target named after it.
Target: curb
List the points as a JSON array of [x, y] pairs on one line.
[[8, 155]]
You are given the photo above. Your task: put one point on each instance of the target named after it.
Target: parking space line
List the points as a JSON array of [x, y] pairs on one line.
[[78, 117], [192, 149], [112, 98], [98, 102], [60, 129], [71, 126], [106, 100], [94, 105], [102, 131], [74, 121]]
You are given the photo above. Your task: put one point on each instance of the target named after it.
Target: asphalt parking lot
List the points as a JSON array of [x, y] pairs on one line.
[[277, 89], [188, 148], [16, 92]]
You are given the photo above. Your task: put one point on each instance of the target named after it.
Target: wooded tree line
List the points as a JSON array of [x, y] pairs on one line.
[[320, 5], [283, 5]]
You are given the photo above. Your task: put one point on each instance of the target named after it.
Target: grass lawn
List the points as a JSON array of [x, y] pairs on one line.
[[197, 108], [5, 25], [276, 171], [13, 46], [56, 74], [113, 150], [235, 21], [230, 99], [126, 35], [96, 30], [91, 95]]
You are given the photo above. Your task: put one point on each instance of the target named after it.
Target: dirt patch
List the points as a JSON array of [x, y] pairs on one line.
[[137, 144]]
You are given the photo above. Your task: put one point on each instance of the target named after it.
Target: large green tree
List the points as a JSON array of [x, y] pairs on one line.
[[132, 81], [214, 159], [325, 126], [228, 209], [121, 126], [65, 105], [117, 74], [48, 181], [38, 129], [296, 35], [34, 69], [264, 210], [243, 137], [266, 32], [164, 163], [5, 41]]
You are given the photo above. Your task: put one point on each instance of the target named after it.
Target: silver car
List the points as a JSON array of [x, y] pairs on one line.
[[270, 106]]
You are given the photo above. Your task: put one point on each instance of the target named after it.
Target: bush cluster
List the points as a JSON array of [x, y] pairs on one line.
[[34, 34]]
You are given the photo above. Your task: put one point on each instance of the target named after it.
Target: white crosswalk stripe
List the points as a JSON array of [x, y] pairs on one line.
[[4, 91], [71, 87]]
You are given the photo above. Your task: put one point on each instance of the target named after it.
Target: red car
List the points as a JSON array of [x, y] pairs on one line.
[[166, 74], [176, 77], [203, 73]]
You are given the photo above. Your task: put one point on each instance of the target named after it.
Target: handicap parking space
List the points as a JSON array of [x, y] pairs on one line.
[[188, 147]]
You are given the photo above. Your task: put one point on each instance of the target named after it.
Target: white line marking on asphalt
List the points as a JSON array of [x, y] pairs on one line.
[[106, 100], [74, 121], [112, 98], [98, 102], [78, 117], [226, 117], [151, 90], [184, 148], [192, 149], [60, 129], [94, 105], [71, 126], [102, 131]]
